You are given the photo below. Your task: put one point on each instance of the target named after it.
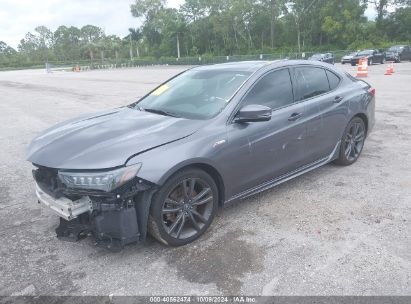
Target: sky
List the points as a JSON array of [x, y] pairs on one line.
[[17, 17]]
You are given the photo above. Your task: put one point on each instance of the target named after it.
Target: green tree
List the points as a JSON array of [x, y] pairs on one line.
[[90, 36], [342, 21]]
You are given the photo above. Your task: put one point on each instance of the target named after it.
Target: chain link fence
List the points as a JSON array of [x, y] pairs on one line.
[[86, 65]]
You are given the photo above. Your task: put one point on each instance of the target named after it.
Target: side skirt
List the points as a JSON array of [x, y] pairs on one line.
[[283, 178]]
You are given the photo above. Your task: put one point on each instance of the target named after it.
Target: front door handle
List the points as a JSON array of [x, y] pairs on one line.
[[295, 116], [337, 99]]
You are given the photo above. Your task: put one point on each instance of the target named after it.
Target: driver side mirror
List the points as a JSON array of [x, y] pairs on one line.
[[253, 113]]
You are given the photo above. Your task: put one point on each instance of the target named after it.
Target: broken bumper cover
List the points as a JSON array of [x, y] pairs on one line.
[[64, 207], [115, 218]]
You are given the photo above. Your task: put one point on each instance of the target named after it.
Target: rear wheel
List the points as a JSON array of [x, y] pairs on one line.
[[183, 208], [352, 142]]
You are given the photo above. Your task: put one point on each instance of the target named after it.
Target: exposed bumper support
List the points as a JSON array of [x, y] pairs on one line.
[[63, 206], [114, 222]]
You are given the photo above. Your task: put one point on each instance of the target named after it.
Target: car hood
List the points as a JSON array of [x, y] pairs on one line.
[[106, 139], [359, 57]]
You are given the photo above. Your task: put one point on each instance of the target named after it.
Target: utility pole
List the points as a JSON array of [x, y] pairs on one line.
[[178, 46], [272, 6]]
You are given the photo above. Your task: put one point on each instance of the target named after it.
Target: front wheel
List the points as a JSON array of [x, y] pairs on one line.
[[352, 142], [370, 61], [183, 208]]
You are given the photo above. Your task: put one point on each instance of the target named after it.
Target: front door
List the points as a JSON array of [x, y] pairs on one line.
[[275, 147]]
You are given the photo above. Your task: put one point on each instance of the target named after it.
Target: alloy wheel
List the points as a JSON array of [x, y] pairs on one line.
[[354, 141], [187, 208]]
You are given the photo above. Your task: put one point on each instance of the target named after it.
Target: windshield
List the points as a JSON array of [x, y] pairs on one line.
[[317, 56], [195, 94], [367, 52], [395, 48]]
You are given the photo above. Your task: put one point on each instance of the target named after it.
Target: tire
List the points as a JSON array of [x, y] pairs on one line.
[[353, 64], [399, 59], [370, 61], [382, 60], [349, 139], [176, 219]]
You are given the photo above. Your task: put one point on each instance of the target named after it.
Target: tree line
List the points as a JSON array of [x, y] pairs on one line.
[[222, 27]]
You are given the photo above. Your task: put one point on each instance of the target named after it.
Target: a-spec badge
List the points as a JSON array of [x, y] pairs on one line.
[[220, 142]]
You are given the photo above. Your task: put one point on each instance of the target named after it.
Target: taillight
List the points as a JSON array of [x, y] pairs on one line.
[[371, 91]]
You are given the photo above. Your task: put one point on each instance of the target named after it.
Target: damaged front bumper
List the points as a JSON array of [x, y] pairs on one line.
[[114, 219], [64, 207]]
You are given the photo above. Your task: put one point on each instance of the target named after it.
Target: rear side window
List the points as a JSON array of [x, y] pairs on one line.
[[310, 82], [333, 79], [273, 90]]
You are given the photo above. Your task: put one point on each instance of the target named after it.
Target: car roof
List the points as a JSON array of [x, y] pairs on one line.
[[254, 66], [246, 66]]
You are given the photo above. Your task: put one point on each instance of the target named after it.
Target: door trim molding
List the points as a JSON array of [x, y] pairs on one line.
[[285, 177]]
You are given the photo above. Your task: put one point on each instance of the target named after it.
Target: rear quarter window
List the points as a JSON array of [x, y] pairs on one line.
[[333, 80]]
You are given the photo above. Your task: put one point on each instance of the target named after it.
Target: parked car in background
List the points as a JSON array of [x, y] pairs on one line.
[[205, 138], [373, 56], [347, 58], [327, 57], [398, 52]]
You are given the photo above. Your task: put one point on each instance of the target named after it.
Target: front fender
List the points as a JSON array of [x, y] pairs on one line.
[[160, 163]]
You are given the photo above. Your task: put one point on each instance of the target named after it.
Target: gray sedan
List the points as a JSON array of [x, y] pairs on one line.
[[205, 138], [347, 58]]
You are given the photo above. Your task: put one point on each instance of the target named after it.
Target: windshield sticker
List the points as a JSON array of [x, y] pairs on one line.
[[160, 90]]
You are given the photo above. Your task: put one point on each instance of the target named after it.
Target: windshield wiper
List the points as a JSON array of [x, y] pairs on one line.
[[161, 112]]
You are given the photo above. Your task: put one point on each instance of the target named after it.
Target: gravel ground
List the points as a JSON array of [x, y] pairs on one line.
[[333, 231]]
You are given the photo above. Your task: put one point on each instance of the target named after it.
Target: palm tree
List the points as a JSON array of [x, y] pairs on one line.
[[135, 35]]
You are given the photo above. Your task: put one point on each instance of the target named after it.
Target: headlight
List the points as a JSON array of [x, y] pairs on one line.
[[103, 180]]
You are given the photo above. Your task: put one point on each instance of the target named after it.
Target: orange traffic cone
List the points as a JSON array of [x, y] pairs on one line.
[[362, 70], [388, 71], [392, 67]]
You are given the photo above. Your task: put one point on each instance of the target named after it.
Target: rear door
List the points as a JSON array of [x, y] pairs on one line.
[[318, 89]]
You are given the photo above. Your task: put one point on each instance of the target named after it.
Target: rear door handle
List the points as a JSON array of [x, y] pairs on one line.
[[337, 99], [295, 116]]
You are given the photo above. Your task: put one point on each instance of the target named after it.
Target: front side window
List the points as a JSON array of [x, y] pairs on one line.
[[273, 90], [195, 94], [310, 82], [366, 53], [395, 48]]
